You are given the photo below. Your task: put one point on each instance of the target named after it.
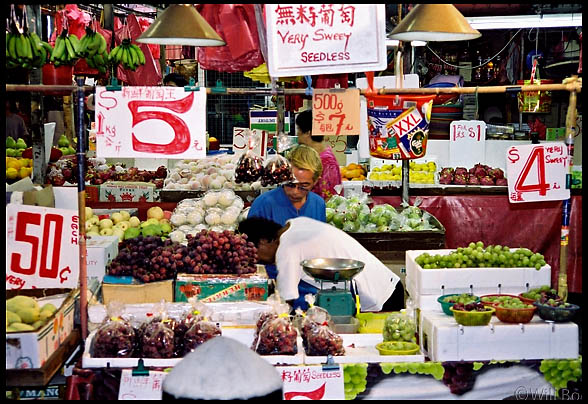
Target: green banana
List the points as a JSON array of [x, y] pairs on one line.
[[70, 50], [75, 42], [102, 47], [12, 47], [140, 54], [20, 46], [58, 49]]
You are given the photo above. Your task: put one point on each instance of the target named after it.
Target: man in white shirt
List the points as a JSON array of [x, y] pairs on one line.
[[304, 238]]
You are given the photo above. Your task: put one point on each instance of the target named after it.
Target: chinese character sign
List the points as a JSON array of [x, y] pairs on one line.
[[537, 172], [335, 113], [306, 39], [42, 247], [141, 387], [151, 122], [312, 382]]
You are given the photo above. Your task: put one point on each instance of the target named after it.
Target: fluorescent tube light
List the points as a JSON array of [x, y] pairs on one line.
[[526, 21]]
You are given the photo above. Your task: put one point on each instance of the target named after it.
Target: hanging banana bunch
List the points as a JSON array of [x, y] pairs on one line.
[[93, 48], [66, 50], [127, 54], [26, 50]]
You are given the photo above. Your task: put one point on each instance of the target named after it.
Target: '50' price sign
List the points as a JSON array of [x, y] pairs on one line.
[[42, 248], [537, 172], [151, 122]]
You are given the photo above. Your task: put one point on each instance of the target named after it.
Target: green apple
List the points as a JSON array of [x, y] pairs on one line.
[[107, 231], [89, 225], [94, 229], [89, 212], [106, 224], [134, 221], [117, 217], [122, 225], [94, 220], [125, 214]]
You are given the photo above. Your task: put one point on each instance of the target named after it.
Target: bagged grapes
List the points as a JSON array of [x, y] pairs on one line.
[[399, 327], [277, 170], [200, 332], [250, 166], [277, 335], [321, 340], [116, 338], [157, 339]]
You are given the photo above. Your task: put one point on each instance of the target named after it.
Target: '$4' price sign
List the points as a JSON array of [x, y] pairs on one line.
[[42, 249], [335, 113], [537, 172]]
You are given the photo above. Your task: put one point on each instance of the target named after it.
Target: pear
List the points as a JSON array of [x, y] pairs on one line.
[[134, 221], [125, 214], [20, 143], [107, 231], [63, 142], [89, 212]]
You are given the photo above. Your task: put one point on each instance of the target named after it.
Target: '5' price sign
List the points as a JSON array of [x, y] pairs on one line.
[[42, 249], [537, 172], [151, 122]]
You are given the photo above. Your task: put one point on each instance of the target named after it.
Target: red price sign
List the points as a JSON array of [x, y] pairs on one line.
[[537, 172], [467, 144], [312, 382], [144, 122], [41, 247], [242, 143], [335, 113]]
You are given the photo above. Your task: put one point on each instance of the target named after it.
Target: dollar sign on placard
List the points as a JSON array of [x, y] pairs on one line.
[[513, 155]]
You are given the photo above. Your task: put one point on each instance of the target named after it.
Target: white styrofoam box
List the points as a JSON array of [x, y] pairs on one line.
[[100, 251], [442, 339], [464, 280], [361, 348], [352, 188]]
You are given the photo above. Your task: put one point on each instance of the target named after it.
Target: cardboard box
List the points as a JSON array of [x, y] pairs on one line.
[[152, 292], [31, 349], [100, 251], [120, 191], [442, 339], [222, 288], [92, 193]]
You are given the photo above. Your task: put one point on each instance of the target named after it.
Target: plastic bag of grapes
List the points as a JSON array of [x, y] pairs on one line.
[[399, 327], [250, 166], [277, 170], [277, 335], [157, 339], [321, 340], [116, 338], [200, 332]]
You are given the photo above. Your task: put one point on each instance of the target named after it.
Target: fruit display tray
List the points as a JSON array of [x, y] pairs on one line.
[[425, 285], [442, 339], [361, 348]]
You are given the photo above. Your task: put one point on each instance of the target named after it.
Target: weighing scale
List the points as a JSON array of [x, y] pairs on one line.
[[338, 302]]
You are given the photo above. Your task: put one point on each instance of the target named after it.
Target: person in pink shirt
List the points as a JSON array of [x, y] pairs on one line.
[[325, 186]]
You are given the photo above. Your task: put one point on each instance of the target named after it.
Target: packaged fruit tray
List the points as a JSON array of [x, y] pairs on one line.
[[479, 281], [361, 348], [243, 335], [442, 339]]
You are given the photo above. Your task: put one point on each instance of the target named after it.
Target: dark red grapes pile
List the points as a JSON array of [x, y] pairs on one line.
[[220, 253], [276, 171], [198, 334], [322, 341], [249, 168], [479, 306], [135, 259], [459, 376], [115, 339]]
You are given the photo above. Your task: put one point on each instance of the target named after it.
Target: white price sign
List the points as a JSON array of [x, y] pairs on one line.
[[537, 172], [151, 122], [42, 249], [307, 39], [141, 387], [241, 141], [467, 143], [312, 383]]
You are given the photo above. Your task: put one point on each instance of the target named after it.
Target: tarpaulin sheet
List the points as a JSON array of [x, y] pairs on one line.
[[493, 220]]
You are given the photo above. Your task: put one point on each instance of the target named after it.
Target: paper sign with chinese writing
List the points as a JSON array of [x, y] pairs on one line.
[[467, 143], [537, 172], [241, 142], [307, 39], [42, 249], [141, 387], [312, 383], [335, 113], [151, 122]]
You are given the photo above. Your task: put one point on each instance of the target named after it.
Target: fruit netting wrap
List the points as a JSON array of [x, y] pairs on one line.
[[250, 166], [116, 338], [277, 170], [398, 125], [277, 335], [399, 327]]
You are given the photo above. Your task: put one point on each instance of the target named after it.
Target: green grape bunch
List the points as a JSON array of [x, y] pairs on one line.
[[560, 372]]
